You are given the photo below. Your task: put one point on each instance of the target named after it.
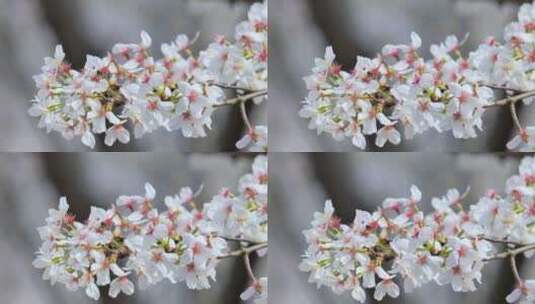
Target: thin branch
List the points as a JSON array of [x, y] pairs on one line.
[[241, 98], [498, 87], [512, 99], [512, 252], [231, 87], [246, 250], [239, 240], [499, 241]]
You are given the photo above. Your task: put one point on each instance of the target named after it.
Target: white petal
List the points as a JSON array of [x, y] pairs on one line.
[[394, 137], [514, 296], [243, 142], [88, 139], [150, 193], [92, 291], [112, 118], [379, 293], [117, 270], [127, 287], [110, 138], [63, 205], [146, 41], [380, 139], [114, 288], [248, 293], [123, 135]]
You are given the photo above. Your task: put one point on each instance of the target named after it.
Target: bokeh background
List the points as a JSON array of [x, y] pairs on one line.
[[301, 29], [30, 30], [300, 184], [31, 183]]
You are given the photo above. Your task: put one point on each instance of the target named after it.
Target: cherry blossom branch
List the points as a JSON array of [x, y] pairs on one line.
[[448, 246], [400, 89], [181, 243], [130, 89]]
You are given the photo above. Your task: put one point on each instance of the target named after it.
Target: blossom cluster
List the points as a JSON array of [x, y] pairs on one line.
[[133, 239], [400, 244], [130, 88], [449, 92]]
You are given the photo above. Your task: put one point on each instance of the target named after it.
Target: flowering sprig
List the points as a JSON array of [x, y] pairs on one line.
[[132, 239], [180, 91], [400, 244], [449, 92]]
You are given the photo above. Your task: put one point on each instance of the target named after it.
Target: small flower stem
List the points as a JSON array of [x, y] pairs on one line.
[[512, 260], [248, 267], [514, 114], [244, 116]]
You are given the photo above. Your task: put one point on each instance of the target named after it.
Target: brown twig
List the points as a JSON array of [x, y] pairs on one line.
[[245, 250], [241, 98], [506, 242], [511, 99], [240, 240], [512, 252], [231, 87]]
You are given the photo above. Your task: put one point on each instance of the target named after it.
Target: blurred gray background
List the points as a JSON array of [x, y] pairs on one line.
[[301, 29], [300, 184], [31, 183], [30, 29]]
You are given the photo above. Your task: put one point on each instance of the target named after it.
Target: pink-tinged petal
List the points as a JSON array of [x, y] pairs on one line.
[[243, 142], [115, 288]]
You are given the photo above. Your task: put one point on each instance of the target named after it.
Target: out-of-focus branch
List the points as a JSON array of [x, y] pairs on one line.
[[243, 1], [513, 1]]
